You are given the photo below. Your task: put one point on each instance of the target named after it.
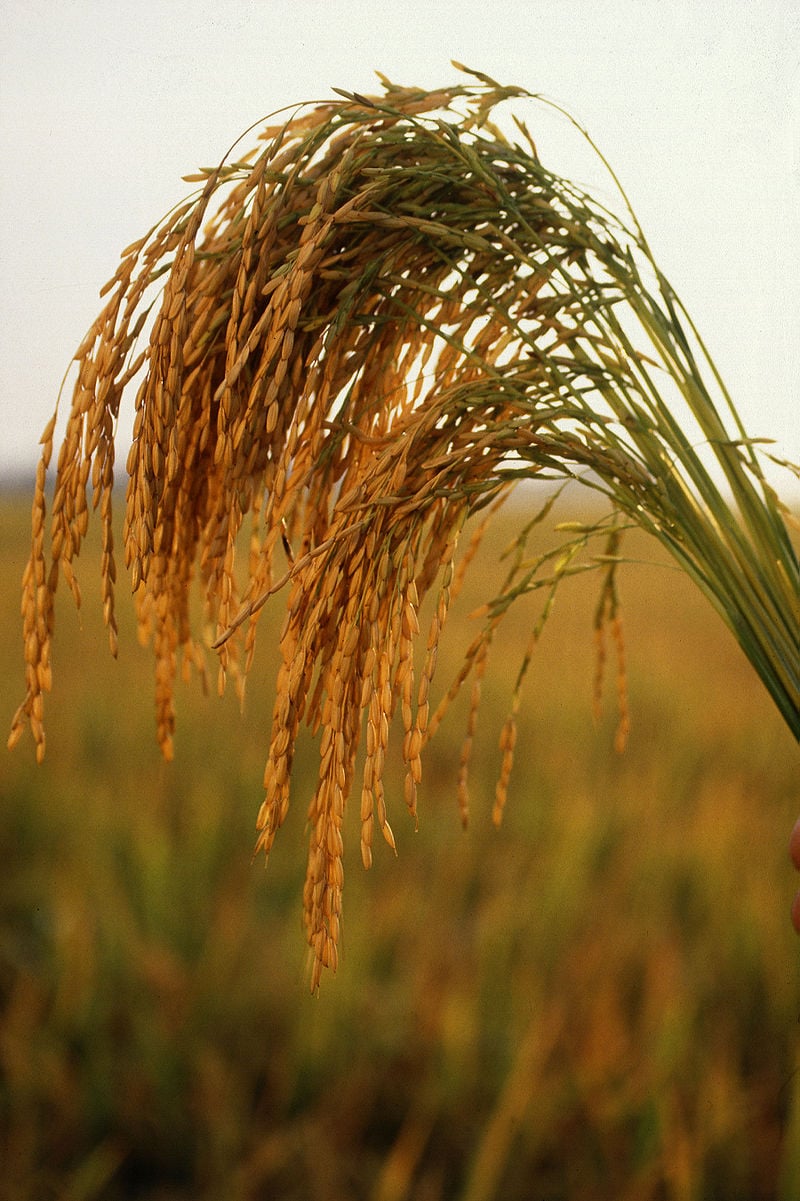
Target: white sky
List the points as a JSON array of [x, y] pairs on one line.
[[104, 106]]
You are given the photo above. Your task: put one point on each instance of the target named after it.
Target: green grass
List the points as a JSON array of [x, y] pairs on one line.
[[599, 1000]]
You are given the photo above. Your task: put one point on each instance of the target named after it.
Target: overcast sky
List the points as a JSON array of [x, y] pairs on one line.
[[103, 107]]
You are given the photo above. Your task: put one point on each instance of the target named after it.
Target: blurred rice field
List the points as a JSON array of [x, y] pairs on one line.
[[599, 1000]]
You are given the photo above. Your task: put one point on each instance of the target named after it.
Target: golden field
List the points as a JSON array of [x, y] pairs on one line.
[[599, 1000]]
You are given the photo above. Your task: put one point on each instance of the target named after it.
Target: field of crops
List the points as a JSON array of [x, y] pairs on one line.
[[601, 999]]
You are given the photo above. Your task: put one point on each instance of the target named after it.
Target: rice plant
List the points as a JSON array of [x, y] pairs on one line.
[[354, 337]]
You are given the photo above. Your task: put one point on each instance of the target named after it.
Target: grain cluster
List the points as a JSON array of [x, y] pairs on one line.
[[354, 338]]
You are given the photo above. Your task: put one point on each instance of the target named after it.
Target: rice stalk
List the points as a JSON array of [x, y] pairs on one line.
[[358, 335]]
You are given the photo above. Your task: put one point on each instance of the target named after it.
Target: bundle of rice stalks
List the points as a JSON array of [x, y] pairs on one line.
[[360, 334]]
